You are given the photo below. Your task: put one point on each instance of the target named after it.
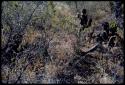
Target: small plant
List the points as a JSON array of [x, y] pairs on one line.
[[112, 24]]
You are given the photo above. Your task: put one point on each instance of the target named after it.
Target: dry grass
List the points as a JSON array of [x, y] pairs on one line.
[[61, 46], [61, 49], [30, 35]]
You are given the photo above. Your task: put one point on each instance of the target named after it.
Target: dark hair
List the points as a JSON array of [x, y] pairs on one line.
[[84, 11], [105, 24]]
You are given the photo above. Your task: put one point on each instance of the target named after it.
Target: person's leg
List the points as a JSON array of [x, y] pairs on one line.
[[80, 31], [83, 27]]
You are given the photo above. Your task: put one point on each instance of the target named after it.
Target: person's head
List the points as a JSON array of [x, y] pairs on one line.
[[84, 11], [105, 25]]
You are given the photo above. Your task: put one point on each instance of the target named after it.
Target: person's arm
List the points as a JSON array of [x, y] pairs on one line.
[[89, 21], [79, 15]]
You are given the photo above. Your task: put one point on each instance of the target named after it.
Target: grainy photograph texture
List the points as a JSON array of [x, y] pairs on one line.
[[62, 42]]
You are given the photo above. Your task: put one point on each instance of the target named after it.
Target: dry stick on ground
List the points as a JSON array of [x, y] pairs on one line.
[[12, 64], [98, 45], [89, 50], [83, 54], [24, 68], [9, 74]]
